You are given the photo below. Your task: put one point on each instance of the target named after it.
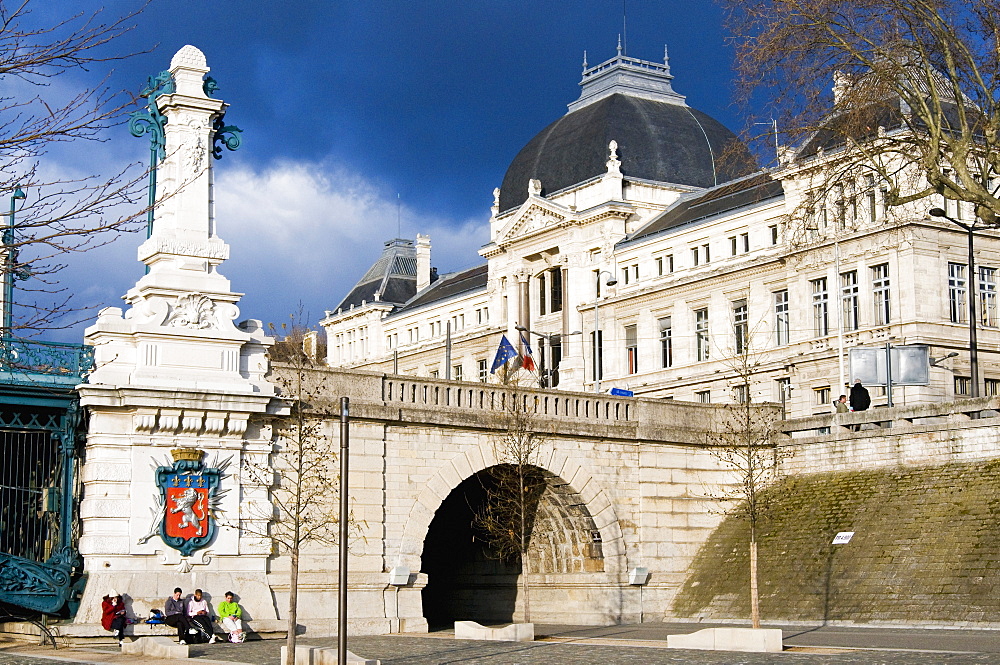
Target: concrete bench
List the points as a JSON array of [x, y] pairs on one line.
[[305, 655], [729, 639], [515, 632], [155, 646]]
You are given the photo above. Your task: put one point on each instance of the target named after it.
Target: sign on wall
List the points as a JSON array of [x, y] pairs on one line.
[[910, 365]]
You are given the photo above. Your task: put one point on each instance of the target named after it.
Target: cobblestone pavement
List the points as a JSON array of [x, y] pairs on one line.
[[429, 650]]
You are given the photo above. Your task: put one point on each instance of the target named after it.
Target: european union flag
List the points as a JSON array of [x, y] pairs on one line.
[[505, 352]]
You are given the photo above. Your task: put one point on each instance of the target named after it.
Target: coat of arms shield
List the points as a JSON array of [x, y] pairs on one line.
[[187, 490]]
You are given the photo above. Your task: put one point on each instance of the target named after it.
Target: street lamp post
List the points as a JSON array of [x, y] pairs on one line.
[[9, 265], [598, 352], [973, 294], [544, 378]]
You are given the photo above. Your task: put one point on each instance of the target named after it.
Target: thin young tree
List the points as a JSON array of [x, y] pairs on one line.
[[745, 444], [914, 109], [507, 518], [60, 212], [301, 471]]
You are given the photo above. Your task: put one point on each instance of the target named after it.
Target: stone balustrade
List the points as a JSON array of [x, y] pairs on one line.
[[926, 434]]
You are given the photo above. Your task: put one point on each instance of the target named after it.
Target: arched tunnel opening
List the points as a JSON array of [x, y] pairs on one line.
[[470, 577]]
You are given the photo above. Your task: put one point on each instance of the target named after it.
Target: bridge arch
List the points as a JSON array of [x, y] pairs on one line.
[[586, 545]]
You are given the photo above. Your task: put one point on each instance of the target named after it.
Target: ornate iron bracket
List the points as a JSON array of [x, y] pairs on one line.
[[150, 121], [229, 135]]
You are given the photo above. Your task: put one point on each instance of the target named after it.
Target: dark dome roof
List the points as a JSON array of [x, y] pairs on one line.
[[662, 141]]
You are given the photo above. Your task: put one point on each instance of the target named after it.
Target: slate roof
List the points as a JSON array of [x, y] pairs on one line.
[[730, 196], [448, 286], [393, 277], [661, 141]]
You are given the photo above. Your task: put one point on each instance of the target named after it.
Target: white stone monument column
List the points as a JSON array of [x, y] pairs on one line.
[[178, 397]]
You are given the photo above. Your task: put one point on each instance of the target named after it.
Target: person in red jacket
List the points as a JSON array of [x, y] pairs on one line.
[[113, 615]]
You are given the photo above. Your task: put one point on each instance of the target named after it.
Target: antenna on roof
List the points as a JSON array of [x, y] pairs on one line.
[[623, 47]]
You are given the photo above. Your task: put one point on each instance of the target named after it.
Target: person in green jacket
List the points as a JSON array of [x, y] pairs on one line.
[[231, 617]]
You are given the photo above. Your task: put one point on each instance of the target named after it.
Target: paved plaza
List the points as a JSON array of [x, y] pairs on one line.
[[580, 645]]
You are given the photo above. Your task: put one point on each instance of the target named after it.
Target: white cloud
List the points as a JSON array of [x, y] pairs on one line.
[[298, 232], [307, 231]]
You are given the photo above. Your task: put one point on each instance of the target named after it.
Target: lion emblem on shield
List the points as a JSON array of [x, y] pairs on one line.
[[186, 504]]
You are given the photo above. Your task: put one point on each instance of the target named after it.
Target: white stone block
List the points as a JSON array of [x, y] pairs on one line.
[[156, 646], [729, 639], [515, 632]]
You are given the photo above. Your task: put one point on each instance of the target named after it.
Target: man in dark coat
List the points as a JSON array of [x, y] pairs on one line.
[[860, 399]]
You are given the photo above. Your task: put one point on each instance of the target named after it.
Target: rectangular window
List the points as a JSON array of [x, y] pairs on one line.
[[988, 296], [871, 200], [542, 292], [701, 333], [963, 385], [555, 290], [597, 349], [555, 357], [781, 317], [821, 307], [880, 293], [957, 305], [703, 396], [740, 326], [666, 342], [483, 368], [632, 349], [822, 396], [782, 389], [849, 299]]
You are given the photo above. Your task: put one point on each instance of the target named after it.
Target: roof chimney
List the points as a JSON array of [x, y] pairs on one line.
[[423, 262]]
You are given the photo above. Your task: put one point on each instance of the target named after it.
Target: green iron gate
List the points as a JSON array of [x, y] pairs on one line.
[[40, 448]]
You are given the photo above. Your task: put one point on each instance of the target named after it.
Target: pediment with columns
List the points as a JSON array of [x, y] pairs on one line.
[[532, 218]]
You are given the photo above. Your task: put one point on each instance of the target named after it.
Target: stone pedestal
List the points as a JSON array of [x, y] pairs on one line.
[[178, 397]]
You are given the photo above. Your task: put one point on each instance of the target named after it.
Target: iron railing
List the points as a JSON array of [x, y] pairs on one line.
[[28, 362]]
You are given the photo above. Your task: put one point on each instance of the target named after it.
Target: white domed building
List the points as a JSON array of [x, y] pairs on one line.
[[636, 245]]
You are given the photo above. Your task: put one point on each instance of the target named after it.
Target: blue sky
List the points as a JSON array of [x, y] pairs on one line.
[[344, 105]]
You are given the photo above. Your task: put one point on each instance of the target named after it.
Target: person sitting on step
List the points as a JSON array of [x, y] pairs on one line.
[[230, 616], [113, 615], [201, 619]]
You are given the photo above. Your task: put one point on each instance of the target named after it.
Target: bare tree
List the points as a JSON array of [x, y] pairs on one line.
[[59, 213], [302, 470], [745, 443], [915, 109], [507, 518]]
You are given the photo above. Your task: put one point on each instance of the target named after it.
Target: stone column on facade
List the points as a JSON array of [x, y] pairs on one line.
[[523, 300], [179, 392]]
